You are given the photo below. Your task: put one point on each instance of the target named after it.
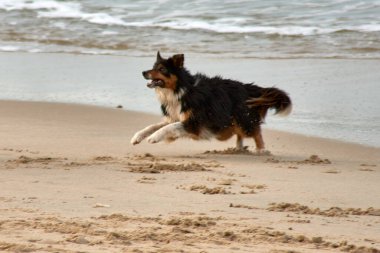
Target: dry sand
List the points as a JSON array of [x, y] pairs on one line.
[[71, 182]]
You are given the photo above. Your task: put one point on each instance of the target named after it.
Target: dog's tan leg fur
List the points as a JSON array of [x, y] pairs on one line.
[[259, 141]]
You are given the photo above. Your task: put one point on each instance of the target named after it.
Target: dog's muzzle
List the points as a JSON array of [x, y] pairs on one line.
[[153, 82]]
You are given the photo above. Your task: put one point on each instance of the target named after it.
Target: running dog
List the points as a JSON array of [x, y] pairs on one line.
[[202, 107]]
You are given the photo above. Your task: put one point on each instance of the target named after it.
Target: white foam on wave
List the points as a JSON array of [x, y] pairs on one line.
[[109, 32], [9, 48], [224, 28], [369, 28], [54, 9], [74, 11], [11, 5]]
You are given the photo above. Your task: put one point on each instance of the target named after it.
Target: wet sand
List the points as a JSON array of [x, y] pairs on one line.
[[333, 98]]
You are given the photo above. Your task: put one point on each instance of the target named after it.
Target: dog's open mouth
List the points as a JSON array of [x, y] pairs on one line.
[[156, 83]]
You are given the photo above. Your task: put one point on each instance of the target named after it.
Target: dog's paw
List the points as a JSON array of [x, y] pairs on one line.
[[154, 138], [263, 152], [137, 138]]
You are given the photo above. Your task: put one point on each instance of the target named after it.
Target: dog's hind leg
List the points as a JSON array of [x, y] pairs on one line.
[[239, 142], [259, 141]]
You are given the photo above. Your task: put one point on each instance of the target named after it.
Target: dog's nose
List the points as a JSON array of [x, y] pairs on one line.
[[146, 74]]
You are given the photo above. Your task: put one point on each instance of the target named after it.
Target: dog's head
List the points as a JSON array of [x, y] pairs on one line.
[[165, 72]]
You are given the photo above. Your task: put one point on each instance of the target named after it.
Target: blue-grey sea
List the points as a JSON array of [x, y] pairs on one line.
[[241, 28], [250, 32]]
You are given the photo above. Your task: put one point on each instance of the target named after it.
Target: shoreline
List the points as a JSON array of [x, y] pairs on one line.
[[72, 181], [158, 116], [213, 56], [45, 104]]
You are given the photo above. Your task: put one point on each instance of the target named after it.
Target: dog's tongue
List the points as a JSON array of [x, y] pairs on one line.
[[155, 83], [150, 84]]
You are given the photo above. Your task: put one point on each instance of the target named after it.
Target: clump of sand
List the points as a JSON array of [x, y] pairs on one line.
[[242, 206], [331, 212], [27, 160], [315, 159], [147, 180], [312, 160], [147, 157], [367, 167], [13, 247], [148, 163], [201, 221], [158, 167], [236, 151], [104, 158], [255, 186], [252, 188], [224, 181], [206, 190]]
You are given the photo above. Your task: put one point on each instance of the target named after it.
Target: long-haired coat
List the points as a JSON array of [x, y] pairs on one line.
[[202, 107]]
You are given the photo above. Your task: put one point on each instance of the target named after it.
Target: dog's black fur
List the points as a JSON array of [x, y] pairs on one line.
[[210, 107]]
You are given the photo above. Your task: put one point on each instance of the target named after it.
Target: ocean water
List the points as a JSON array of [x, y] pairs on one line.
[[241, 28]]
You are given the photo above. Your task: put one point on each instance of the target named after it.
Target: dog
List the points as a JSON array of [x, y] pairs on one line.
[[202, 107]]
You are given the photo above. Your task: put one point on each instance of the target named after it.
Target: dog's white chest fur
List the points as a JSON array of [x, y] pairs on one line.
[[172, 102]]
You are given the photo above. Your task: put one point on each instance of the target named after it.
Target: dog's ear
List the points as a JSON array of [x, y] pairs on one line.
[[178, 60], [159, 58]]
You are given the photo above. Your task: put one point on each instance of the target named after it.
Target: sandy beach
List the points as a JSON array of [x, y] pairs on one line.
[[74, 93], [72, 182]]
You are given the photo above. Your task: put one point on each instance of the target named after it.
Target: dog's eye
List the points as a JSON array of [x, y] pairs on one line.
[[163, 70]]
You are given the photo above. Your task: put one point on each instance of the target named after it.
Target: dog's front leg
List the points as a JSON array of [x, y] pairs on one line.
[[142, 134], [170, 132]]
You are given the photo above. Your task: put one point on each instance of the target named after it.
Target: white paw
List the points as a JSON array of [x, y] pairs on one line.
[[154, 138], [137, 138], [263, 152]]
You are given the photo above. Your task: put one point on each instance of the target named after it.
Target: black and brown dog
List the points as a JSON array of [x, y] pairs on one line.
[[200, 107]]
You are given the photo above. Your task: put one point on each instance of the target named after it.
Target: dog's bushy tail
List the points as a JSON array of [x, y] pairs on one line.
[[263, 99]]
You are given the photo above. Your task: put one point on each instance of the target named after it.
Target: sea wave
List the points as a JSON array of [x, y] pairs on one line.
[[223, 28], [239, 25], [54, 9], [277, 30], [12, 5], [242, 28]]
